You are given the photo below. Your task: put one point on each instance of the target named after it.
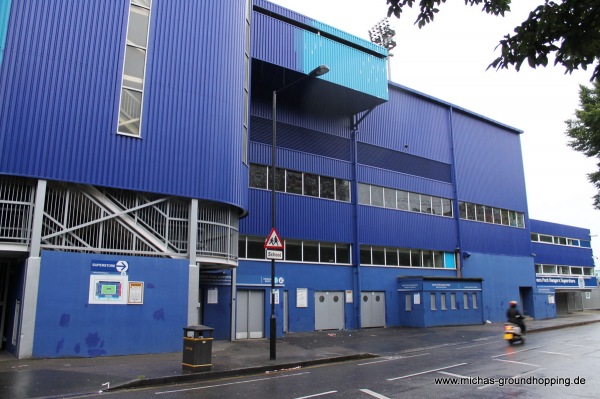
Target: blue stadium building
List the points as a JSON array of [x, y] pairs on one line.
[[137, 182]]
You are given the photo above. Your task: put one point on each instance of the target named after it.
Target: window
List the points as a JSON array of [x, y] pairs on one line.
[[426, 204], [311, 185], [279, 180], [342, 190], [391, 257], [443, 301], [365, 255], [471, 211], [376, 196], [438, 259], [576, 270], [505, 218], [327, 185], [480, 213], [293, 250], [447, 207], [378, 254], [549, 269], [256, 248], [327, 252], [408, 302], [415, 258], [404, 257], [310, 251], [414, 202], [342, 252], [545, 238], [474, 299], [364, 194], [402, 200], [560, 240], [462, 210], [534, 237], [453, 301], [427, 258], [497, 216], [389, 198], [489, 215], [294, 182], [436, 206], [465, 301], [258, 176], [134, 69], [564, 270], [432, 299]]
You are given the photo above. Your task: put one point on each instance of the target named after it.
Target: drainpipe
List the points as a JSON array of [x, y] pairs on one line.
[[355, 241], [459, 249]]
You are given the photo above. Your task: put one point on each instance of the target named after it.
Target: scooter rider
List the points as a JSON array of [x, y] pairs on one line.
[[515, 316]]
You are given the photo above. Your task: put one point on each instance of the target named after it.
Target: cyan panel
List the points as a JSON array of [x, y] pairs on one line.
[[4, 15]]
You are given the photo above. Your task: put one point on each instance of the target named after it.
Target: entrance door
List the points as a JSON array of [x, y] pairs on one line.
[[372, 309], [250, 314], [4, 269], [329, 310]]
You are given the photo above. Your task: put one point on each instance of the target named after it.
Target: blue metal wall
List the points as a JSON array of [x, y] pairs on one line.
[[66, 325], [60, 86], [561, 254]]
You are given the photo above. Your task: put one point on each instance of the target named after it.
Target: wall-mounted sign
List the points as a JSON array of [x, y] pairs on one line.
[[136, 293], [110, 267], [108, 289]]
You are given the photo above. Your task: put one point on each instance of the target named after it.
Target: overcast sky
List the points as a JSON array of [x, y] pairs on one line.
[[447, 59]]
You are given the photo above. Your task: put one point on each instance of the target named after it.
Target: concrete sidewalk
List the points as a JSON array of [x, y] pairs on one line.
[[68, 376]]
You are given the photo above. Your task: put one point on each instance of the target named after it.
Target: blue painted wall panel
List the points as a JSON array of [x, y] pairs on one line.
[[489, 164], [410, 123], [66, 325], [380, 226], [299, 217], [559, 230], [402, 181], [562, 255], [495, 239], [61, 80], [502, 277]]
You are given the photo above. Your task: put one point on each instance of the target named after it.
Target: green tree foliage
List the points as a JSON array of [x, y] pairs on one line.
[[584, 130], [568, 29]]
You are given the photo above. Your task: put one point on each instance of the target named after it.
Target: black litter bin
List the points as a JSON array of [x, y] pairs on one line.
[[197, 348]]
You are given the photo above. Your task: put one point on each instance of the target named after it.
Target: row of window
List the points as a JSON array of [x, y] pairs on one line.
[[566, 270], [301, 183], [134, 68], [572, 242], [401, 257], [489, 214], [403, 200], [441, 299], [252, 247]]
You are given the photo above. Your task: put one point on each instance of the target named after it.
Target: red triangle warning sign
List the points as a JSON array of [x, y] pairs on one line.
[[273, 241]]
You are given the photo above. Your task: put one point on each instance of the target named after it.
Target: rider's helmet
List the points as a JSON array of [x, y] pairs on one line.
[[513, 304]]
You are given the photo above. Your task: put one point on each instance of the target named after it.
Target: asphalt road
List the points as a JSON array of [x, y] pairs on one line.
[[557, 364]]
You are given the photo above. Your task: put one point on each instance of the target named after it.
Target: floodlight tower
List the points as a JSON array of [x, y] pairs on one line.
[[383, 35]]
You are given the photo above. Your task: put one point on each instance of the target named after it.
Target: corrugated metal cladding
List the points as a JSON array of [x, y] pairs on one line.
[[299, 217], [4, 15], [294, 48], [61, 87], [379, 157], [559, 230], [495, 239], [489, 165], [562, 255], [410, 123], [300, 139], [389, 227]]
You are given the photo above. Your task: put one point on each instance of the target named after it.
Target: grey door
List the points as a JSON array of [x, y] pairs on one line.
[[329, 310], [250, 314], [372, 309]]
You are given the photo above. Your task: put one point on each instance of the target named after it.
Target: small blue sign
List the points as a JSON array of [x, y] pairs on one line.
[[109, 267]]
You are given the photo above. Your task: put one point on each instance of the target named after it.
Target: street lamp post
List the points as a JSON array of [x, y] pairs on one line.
[[319, 71]]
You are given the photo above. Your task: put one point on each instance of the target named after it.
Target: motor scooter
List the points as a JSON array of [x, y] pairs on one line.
[[512, 334]]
